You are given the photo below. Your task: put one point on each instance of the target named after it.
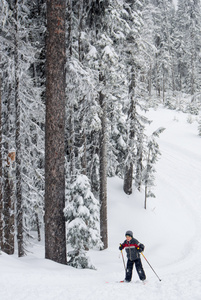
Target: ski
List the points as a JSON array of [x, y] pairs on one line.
[[134, 282], [121, 281]]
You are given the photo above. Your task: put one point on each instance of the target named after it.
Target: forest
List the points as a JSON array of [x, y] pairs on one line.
[[76, 79]]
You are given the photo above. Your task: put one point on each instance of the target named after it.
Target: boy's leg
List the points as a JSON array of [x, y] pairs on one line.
[[129, 270], [139, 268]]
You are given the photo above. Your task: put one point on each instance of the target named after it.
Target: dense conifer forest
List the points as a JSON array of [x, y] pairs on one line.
[[75, 80]]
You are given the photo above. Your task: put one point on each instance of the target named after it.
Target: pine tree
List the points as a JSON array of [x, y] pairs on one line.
[[82, 215], [151, 158], [135, 85], [97, 13], [149, 47], [83, 122], [163, 69], [18, 37], [188, 44]]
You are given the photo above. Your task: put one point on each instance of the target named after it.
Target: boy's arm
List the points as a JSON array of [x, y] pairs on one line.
[[122, 246]]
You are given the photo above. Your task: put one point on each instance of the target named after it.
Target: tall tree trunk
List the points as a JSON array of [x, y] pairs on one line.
[[1, 198], [150, 79], [145, 197], [82, 101], [7, 190], [38, 226], [55, 233], [192, 63], [19, 204], [163, 86], [9, 215], [128, 175], [103, 172], [139, 162], [128, 179]]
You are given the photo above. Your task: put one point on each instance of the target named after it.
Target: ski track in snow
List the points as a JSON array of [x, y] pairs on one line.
[[170, 229]]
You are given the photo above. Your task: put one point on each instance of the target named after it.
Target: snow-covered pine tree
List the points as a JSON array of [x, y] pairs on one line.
[[149, 49], [117, 127], [98, 16], [150, 159], [33, 175], [98, 54], [29, 124], [83, 126], [82, 214], [81, 107], [32, 122], [19, 53], [133, 61], [188, 27], [163, 68]]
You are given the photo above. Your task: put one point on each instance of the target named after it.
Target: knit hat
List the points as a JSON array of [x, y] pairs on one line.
[[129, 232]]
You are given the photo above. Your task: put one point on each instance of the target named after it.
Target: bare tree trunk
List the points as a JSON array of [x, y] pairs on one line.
[[128, 175], [38, 227], [9, 216], [7, 191], [158, 89], [82, 101], [103, 172], [84, 155], [145, 197], [55, 233], [163, 87], [139, 163], [9, 204], [128, 179], [19, 204], [150, 79], [1, 198], [192, 78]]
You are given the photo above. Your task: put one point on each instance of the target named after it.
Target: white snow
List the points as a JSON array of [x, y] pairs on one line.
[[170, 228]]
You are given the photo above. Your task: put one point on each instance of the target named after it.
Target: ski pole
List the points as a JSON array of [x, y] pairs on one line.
[[123, 259], [150, 266]]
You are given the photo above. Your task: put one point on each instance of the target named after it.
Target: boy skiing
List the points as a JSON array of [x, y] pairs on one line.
[[133, 249]]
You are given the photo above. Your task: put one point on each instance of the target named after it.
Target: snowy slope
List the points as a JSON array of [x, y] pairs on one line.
[[170, 228]]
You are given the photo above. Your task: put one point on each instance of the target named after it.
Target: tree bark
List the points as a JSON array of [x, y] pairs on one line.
[[128, 179], [19, 204], [1, 198], [103, 173], [9, 214], [145, 197], [38, 226], [55, 234], [128, 175]]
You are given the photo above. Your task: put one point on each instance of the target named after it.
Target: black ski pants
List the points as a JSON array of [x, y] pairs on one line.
[[139, 269]]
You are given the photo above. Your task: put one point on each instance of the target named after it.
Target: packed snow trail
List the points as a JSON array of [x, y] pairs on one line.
[[170, 229]]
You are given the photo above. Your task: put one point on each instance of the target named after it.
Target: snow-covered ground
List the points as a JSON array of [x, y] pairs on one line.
[[170, 228]]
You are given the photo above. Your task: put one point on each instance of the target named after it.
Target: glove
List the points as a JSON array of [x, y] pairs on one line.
[[121, 247], [140, 248]]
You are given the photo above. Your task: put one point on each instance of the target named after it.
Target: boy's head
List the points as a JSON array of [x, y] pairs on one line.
[[129, 235]]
